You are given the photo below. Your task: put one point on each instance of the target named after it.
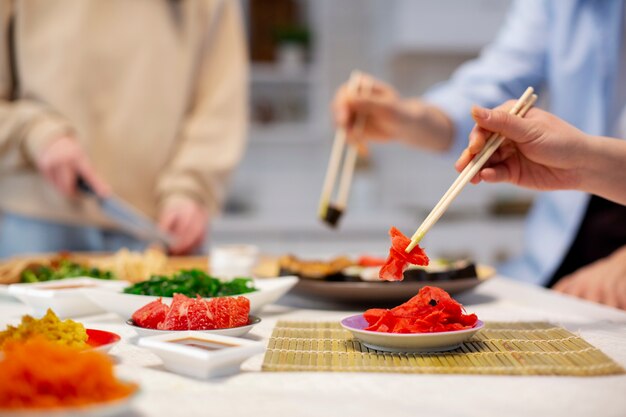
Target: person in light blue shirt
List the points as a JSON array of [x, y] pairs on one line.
[[571, 51], [543, 152]]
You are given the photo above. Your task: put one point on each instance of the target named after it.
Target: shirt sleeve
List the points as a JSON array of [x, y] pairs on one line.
[[213, 135], [515, 60], [25, 125]]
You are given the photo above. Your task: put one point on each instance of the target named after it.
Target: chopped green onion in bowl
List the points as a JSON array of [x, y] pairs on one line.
[[192, 283]]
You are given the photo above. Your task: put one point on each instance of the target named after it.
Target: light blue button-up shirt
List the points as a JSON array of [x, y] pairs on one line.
[[569, 51]]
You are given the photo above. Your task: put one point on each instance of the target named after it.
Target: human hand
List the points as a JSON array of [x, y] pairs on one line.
[[385, 116], [187, 222], [62, 161], [380, 102], [603, 281], [541, 151]]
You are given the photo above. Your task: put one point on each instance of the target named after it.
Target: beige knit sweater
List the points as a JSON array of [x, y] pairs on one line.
[[154, 90]]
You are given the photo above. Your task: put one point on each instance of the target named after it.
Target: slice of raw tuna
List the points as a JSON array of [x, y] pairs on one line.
[[398, 259], [200, 317], [151, 315], [229, 311], [178, 316]]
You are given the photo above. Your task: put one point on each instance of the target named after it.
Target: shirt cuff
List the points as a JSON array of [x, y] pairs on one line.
[[44, 130]]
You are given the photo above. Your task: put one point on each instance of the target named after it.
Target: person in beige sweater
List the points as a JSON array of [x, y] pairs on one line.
[[142, 99]]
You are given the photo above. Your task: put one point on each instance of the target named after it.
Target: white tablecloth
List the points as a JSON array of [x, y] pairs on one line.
[[255, 393]]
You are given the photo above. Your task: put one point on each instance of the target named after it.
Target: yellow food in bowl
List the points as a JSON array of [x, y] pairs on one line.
[[66, 332]]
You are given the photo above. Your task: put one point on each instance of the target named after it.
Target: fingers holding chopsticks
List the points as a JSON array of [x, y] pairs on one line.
[[502, 165], [479, 134], [540, 151], [374, 102], [499, 168]]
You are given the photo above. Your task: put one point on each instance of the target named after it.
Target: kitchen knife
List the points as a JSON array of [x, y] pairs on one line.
[[126, 216]]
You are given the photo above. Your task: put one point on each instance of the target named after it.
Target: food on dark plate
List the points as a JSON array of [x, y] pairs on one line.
[[440, 270], [367, 261], [398, 260], [191, 283], [431, 310], [194, 313], [366, 269], [290, 265]]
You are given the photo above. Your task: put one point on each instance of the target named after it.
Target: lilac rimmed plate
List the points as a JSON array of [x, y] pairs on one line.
[[407, 342]]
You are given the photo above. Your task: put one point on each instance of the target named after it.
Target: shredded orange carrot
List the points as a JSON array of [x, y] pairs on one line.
[[41, 374]]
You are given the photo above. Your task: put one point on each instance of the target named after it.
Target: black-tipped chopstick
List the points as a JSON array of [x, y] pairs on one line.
[[330, 212]]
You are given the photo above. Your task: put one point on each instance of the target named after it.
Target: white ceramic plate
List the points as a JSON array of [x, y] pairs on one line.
[[65, 296], [232, 332], [201, 355], [407, 342], [124, 305], [112, 408]]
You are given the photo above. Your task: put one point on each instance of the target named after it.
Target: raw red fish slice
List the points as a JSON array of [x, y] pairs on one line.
[[178, 316], [398, 260], [374, 314], [431, 310], [229, 311], [151, 315], [392, 269], [240, 311], [200, 316]]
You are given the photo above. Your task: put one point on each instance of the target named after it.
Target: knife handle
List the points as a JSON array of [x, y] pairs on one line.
[[83, 186]]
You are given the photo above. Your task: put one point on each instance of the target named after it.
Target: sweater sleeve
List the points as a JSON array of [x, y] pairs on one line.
[[515, 60], [213, 134], [26, 126]]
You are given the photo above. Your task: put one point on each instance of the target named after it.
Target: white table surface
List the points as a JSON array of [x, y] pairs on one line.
[[255, 393]]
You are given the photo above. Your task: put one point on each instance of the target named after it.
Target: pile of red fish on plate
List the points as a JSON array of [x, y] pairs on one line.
[[194, 313], [431, 310]]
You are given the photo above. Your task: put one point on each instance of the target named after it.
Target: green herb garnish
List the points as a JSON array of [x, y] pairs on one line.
[[191, 283], [61, 270]]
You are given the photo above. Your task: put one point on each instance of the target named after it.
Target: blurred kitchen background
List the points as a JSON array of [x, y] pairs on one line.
[[301, 50]]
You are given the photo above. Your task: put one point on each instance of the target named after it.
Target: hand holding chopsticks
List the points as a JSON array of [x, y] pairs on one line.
[[523, 104]]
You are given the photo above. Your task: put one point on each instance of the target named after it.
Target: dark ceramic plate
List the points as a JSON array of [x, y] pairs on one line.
[[359, 291]]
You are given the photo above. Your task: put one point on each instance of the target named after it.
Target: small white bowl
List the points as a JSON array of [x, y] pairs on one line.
[[65, 296], [231, 261], [232, 331], [200, 354], [407, 342]]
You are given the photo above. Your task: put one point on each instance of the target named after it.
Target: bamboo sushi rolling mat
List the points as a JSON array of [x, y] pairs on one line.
[[531, 348]]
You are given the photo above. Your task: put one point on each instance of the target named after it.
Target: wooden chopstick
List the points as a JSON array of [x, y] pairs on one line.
[[523, 104], [335, 156], [355, 82]]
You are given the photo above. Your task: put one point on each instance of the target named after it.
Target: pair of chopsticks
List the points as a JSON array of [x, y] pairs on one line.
[[330, 212], [521, 107]]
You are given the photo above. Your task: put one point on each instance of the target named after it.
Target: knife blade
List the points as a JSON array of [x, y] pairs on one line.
[[126, 216]]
